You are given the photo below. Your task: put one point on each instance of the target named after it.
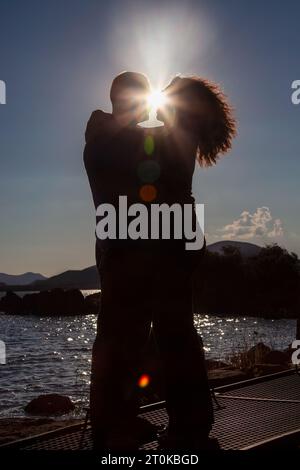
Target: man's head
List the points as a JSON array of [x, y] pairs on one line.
[[128, 94]]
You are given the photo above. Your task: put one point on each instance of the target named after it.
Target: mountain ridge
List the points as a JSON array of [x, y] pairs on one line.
[[88, 278], [21, 279]]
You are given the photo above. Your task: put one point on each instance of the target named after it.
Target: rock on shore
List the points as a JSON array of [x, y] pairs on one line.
[[54, 302], [49, 405]]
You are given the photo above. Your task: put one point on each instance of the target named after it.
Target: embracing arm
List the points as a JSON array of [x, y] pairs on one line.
[[94, 124], [97, 130]]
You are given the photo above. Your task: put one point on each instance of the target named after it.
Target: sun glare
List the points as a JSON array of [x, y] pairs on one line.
[[156, 99]]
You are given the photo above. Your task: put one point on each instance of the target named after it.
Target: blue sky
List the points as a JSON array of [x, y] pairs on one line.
[[58, 59]]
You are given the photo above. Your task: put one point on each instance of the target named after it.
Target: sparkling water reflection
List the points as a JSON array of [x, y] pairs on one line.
[[53, 355]]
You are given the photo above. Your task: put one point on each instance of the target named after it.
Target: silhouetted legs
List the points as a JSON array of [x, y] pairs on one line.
[[122, 331], [140, 286], [188, 397]]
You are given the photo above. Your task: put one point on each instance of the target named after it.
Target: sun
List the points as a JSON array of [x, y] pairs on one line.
[[156, 99]]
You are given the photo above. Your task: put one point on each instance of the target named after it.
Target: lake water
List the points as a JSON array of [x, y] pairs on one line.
[[53, 355]]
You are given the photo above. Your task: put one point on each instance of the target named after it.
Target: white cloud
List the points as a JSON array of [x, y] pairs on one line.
[[248, 226]]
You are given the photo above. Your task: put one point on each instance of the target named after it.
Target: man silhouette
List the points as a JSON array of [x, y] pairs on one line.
[[114, 146]]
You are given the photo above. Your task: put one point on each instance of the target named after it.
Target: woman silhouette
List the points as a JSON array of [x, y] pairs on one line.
[[199, 126]]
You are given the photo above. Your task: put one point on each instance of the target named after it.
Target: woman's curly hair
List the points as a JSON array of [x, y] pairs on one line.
[[204, 110]]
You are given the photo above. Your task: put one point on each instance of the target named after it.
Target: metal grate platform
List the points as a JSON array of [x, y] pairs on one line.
[[253, 414], [282, 388]]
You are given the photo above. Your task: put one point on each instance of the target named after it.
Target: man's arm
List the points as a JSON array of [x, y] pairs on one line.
[[96, 126], [95, 123], [100, 130]]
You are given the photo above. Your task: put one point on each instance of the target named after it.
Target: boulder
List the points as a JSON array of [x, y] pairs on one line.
[[50, 404], [54, 302], [258, 353], [277, 357], [10, 303], [58, 302], [92, 303]]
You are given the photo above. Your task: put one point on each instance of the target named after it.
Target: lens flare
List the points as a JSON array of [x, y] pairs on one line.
[[144, 380], [148, 193]]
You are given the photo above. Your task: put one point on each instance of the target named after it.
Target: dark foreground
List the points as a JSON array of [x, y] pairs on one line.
[[262, 413]]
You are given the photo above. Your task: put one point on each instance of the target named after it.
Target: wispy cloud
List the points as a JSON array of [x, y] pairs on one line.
[[258, 225]]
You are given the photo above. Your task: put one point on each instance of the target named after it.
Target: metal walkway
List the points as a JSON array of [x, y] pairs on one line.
[[256, 413]]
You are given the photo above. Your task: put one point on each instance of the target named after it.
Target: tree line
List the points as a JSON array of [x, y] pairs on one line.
[[263, 285]]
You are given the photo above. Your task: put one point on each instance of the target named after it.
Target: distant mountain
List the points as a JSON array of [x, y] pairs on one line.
[[74, 279], [88, 278], [20, 279], [246, 249]]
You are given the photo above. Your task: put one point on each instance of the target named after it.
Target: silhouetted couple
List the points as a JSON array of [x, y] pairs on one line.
[[147, 284]]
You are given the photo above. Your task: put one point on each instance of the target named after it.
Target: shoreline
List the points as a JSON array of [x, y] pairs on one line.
[[12, 429]]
